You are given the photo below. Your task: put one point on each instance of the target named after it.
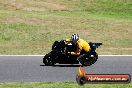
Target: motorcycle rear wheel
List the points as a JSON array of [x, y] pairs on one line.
[[88, 61]]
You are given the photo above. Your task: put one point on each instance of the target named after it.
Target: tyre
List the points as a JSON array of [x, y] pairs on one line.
[[48, 59], [81, 80], [89, 60]]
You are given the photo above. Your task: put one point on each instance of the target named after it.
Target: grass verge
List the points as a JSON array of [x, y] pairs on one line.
[[61, 85], [31, 26]]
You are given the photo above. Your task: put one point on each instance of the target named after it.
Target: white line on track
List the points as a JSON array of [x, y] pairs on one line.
[[43, 55]]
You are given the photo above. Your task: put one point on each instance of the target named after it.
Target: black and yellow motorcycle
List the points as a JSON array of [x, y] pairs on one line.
[[59, 54]]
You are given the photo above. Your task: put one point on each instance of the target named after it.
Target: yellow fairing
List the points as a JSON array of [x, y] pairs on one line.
[[82, 45]]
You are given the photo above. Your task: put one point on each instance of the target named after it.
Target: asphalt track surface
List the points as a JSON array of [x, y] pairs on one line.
[[31, 69]]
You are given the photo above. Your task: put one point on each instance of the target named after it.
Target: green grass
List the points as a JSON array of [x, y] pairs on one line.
[[61, 85], [33, 32]]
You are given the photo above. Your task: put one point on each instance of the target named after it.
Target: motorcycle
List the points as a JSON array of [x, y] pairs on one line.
[[60, 54]]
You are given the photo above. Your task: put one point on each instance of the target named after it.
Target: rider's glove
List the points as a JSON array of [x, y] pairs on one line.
[[69, 52]]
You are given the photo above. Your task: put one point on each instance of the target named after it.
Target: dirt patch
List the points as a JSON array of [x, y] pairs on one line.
[[30, 5], [33, 9], [119, 48], [26, 20], [47, 5]]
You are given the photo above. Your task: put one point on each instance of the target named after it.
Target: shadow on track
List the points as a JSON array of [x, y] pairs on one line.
[[65, 65]]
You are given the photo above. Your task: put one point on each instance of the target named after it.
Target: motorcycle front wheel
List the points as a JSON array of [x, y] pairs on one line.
[[48, 60]]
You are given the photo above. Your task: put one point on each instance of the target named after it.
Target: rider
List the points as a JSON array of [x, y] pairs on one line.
[[81, 44]]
